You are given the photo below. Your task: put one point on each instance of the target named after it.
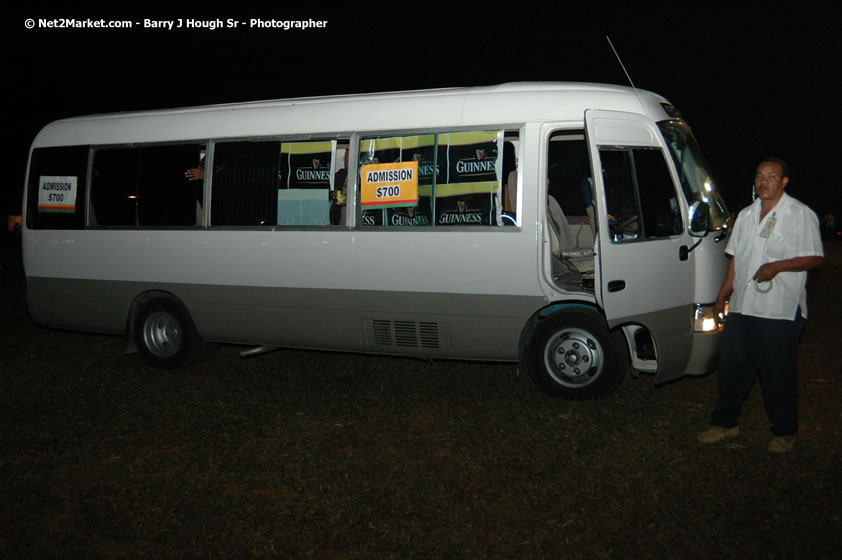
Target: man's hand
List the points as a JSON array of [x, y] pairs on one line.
[[719, 311], [797, 264], [766, 272]]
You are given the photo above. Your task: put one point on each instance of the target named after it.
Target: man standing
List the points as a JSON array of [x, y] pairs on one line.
[[775, 242]]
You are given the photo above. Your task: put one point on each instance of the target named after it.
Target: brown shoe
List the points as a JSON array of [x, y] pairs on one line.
[[717, 433], [781, 444]]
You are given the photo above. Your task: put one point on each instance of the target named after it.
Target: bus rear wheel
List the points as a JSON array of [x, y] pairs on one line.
[[165, 335], [571, 354]]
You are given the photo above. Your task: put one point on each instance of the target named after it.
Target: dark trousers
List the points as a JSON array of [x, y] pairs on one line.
[[767, 348]]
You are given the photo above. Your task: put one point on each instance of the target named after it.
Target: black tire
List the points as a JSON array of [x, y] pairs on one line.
[[165, 335], [571, 354]]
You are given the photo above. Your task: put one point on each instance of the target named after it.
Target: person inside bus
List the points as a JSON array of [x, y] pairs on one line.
[[198, 174], [509, 181], [195, 174], [339, 194]]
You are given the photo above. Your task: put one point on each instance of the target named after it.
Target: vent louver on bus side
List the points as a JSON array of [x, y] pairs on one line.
[[402, 334]]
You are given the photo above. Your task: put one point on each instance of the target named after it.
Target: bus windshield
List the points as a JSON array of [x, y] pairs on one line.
[[693, 171]]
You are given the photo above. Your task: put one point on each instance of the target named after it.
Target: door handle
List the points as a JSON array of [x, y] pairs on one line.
[[616, 285]]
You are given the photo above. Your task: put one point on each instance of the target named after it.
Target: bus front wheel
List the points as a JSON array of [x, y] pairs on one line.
[[571, 354], [165, 335]]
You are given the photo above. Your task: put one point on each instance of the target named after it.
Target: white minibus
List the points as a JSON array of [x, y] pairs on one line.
[[570, 227]]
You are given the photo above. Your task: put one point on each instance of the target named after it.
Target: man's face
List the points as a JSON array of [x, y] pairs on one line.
[[768, 181]]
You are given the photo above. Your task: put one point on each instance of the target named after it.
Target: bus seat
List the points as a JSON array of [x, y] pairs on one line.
[[563, 238]]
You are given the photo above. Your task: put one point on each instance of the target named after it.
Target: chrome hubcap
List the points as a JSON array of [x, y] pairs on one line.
[[573, 357], [162, 334]]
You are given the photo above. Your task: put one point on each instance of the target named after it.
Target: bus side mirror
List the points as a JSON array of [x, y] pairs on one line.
[[699, 219]]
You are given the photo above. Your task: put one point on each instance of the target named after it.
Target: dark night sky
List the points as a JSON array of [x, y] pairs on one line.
[[751, 83]]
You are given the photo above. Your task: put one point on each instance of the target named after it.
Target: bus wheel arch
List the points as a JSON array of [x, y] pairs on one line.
[[570, 352], [162, 331]]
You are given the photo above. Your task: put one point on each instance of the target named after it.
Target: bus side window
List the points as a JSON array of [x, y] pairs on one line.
[[461, 178], [395, 150], [145, 186], [168, 196], [472, 189], [273, 183], [306, 180], [56, 190], [245, 183], [114, 187]]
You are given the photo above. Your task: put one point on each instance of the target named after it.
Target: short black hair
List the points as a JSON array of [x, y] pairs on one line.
[[779, 161]]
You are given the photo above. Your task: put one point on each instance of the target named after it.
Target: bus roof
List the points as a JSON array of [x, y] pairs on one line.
[[503, 104]]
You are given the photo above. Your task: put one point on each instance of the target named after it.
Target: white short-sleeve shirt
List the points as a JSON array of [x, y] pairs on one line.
[[789, 230]]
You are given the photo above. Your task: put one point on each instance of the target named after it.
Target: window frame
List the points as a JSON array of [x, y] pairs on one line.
[[94, 148], [32, 218], [641, 210], [512, 129], [339, 138]]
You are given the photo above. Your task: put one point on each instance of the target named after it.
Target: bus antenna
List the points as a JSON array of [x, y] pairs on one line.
[[628, 77]]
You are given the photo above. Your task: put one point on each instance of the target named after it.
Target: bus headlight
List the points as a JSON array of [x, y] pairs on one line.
[[704, 321]]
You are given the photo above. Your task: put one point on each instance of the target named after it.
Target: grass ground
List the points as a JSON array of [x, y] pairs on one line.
[[300, 454]]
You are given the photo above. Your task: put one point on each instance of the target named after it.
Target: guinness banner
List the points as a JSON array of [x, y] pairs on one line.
[[307, 165], [474, 175], [306, 177]]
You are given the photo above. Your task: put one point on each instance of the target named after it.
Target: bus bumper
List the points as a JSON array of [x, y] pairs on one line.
[[704, 354]]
